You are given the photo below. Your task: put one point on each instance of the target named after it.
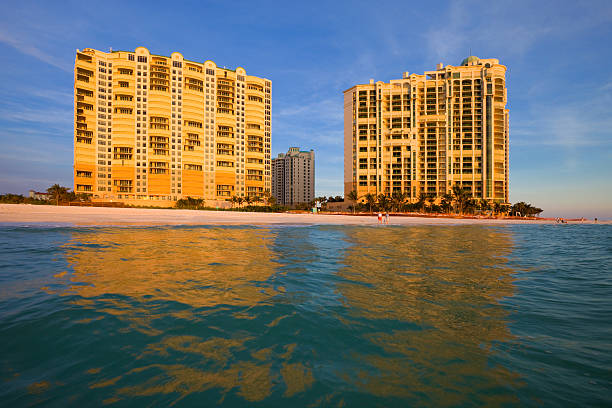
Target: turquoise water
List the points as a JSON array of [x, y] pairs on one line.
[[306, 316]]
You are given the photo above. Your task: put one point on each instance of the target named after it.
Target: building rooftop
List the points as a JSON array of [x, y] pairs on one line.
[[470, 59]]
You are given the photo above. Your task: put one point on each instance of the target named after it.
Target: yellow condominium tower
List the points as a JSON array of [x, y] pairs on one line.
[[424, 134], [149, 127]]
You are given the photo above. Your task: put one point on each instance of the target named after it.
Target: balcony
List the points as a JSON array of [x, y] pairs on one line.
[[84, 188], [84, 174], [158, 167]]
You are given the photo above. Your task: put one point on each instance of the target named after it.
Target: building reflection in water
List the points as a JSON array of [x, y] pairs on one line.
[[198, 267], [208, 311], [206, 282], [434, 295]]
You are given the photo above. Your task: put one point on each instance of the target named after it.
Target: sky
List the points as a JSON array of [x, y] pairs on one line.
[[559, 77]]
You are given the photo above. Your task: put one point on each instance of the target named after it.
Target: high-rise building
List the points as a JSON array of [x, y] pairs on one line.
[[424, 134], [149, 127], [293, 177]]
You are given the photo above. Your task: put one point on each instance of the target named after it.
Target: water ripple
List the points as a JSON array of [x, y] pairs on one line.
[[306, 316]]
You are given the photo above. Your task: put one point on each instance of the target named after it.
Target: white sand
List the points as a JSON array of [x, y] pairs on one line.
[[47, 214]]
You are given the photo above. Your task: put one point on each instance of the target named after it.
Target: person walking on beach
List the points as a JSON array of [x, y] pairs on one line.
[[380, 218], [386, 218]]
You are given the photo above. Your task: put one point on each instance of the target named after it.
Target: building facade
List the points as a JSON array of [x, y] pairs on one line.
[[37, 195], [150, 127], [424, 134], [293, 177]]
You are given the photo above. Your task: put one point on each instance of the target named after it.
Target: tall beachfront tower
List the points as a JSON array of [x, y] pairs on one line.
[[293, 177], [150, 127], [423, 134]]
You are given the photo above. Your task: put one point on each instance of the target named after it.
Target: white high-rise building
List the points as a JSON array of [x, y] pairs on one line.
[[293, 177]]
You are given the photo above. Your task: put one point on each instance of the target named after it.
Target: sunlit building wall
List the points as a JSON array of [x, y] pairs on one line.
[[150, 127], [423, 134]]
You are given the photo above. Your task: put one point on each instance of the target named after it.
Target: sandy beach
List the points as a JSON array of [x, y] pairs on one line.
[[76, 216]]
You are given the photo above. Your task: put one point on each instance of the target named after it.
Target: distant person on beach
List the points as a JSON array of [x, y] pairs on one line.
[[380, 218], [386, 218]]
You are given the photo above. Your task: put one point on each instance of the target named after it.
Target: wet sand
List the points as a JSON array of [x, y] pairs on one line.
[[47, 214]]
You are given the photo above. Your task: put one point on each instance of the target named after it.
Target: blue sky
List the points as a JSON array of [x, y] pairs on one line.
[[558, 54]]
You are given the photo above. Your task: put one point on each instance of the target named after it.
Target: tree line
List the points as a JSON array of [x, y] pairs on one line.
[[266, 199], [459, 201], [264, 203], [56, 194]]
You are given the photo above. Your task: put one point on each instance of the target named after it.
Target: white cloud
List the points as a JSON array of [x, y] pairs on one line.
[[23, 46], [507, 27], [329, 109], [568, 124], [60, 97], [50, 117]]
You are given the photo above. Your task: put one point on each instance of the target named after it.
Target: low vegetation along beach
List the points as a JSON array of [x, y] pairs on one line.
[[24, 213]]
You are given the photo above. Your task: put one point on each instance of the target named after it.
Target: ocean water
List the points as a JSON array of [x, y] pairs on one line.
[[287, 316]]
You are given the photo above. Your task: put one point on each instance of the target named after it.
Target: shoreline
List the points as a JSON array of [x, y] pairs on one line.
[[109, 216]]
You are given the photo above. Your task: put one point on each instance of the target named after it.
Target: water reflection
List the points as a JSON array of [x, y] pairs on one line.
[[209, 282], [431, 297], [199, 267], [313, 316], [325, 314]]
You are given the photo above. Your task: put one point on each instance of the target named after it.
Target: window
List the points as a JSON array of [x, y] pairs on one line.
[[196, 167]]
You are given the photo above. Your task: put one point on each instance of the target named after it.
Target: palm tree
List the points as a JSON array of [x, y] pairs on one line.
[[447, 202], [383, 202], [248, 200], [352, 196], [470, 205], [461, 197], [234, 200], [484, 205], [239, 200], [398, 198], [420, 204], [267, 197], [525, 209], [57, 192], [535, 211], [371, 200], [497, 207], [430, 200]]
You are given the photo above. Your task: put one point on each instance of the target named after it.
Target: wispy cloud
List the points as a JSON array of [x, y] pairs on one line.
[[22, 45], [461, 32], [50, 117], [505, 26], [329, 109], [59, 97], [311, 139], [317, 123], [36, 145], [573, 123]]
